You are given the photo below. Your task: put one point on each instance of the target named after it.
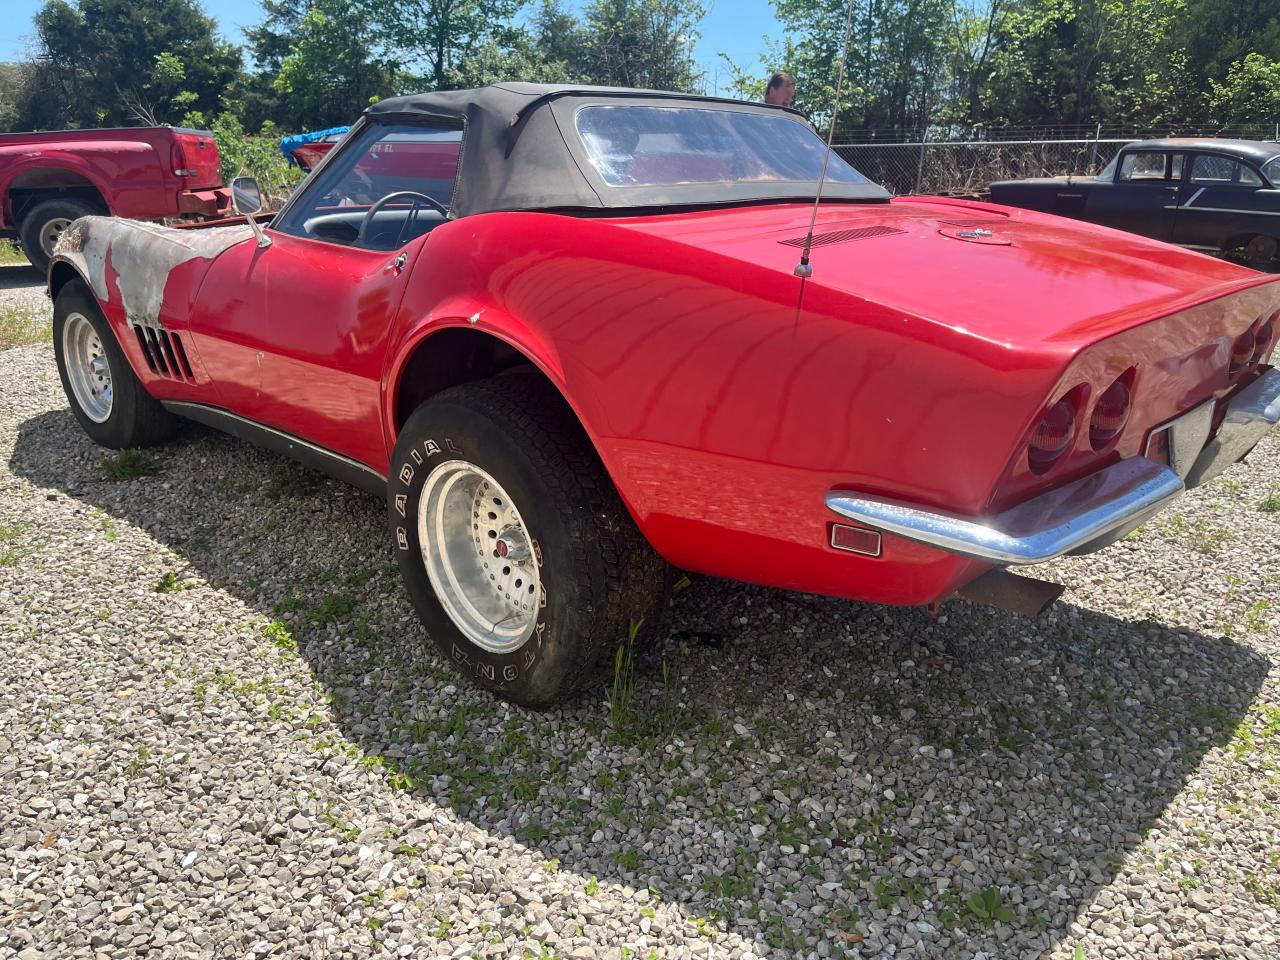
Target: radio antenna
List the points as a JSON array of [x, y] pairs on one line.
[[803, 270]]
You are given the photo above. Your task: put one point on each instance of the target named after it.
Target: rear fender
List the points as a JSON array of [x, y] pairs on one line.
[[473, 314]]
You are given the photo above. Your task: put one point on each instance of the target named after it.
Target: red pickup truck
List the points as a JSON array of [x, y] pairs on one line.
[[47, 180]]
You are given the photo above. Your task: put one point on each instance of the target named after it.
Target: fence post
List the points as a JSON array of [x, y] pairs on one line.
[[924, 139]]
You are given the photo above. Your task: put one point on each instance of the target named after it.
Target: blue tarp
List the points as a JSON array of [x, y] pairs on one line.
[[287, 144]]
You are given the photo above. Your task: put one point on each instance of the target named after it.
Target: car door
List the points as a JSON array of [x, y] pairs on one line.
[[1143, 195], [1224, 202], [314, 309]]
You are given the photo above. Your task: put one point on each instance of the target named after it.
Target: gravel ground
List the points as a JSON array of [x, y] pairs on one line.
[[221, 735]]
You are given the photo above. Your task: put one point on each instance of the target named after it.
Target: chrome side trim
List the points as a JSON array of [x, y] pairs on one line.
[[1251, 415], [1078, 517], [318, 458]]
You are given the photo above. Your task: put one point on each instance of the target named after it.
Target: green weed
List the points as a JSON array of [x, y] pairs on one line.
[[129, 465]]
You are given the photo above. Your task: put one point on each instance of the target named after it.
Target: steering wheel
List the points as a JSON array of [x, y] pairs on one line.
[[418, 198]]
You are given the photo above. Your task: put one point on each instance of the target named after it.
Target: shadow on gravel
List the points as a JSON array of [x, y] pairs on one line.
[[791, 764], [19, 276]]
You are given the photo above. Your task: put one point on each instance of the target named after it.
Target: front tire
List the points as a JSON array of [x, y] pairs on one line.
[[45, 223], [106, 396], [514, 546]]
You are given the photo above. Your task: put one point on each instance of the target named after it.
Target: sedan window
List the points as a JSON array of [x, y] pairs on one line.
[[1272, 170], [1210, 170], [389, 185], [1151, 165]]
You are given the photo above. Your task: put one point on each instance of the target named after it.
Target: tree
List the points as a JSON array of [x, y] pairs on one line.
[[330, 74], [896, 71], [129, 61], [643, 43], [1250, 94], [551, 50], [435, 36]]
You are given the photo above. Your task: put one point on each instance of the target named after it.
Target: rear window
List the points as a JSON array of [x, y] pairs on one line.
[[1216, 170], [633, 145]]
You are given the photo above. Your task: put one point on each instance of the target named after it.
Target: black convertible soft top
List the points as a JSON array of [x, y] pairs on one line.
[[520, 150]]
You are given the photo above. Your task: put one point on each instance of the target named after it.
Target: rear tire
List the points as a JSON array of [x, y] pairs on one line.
[[106, 396], [514, 546], [44, 223], [1261, 249]]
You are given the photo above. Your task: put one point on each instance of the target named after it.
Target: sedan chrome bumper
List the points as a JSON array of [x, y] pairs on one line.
[[1082, 516]]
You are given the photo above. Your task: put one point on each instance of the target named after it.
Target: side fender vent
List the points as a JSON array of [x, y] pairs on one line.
[[164, 353], [843, 236]]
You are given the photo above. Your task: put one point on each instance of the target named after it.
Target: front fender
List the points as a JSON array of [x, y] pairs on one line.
[[129, 263]]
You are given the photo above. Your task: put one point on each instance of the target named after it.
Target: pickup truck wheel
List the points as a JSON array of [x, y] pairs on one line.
[[1260, 249], [515, 548], [110, 402], [45, 223]]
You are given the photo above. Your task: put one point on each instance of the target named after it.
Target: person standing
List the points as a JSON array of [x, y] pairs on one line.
[[781, 90]]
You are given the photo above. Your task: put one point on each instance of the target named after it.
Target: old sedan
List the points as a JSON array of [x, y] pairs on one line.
[[567, 333], [1208, 194]]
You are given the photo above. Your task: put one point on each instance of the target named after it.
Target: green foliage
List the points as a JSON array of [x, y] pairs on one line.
[[128, 465], [987, 908], [434, 37], [254, 156], [331, 72], [116, 62], [1271, 502], [1250, 93], [643, 43]]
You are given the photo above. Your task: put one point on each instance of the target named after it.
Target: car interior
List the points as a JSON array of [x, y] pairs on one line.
[[390, 187]]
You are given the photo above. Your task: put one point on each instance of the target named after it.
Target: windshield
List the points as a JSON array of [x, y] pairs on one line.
[[630, 145]]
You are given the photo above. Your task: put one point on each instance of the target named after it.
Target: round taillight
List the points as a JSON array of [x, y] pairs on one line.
[[1110, 414], [1052, 436], [1242, 351]]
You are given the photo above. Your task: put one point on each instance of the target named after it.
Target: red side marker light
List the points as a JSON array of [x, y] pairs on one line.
[[855, 539]]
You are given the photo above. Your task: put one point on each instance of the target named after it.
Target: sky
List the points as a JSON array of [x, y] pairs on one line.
[[736, 27]]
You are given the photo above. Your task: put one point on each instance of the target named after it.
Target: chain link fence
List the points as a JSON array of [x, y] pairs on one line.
[[967, 167]]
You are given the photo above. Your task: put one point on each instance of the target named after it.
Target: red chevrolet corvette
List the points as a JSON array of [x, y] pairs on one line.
[[563, 332]]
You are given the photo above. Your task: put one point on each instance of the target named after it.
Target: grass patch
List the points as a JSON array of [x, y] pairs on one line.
[[21, 326], [11, 254], [169, 583], [1271, 502], [128, 465]]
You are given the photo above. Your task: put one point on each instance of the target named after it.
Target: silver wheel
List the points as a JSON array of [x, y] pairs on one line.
[[50, 233], [88, 371], [479, 556]]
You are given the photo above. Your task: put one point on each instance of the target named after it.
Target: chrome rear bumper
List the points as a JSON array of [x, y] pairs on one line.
[[1082, 516]]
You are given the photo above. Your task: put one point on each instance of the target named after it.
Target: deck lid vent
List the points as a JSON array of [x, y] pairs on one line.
[[843, 236]]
